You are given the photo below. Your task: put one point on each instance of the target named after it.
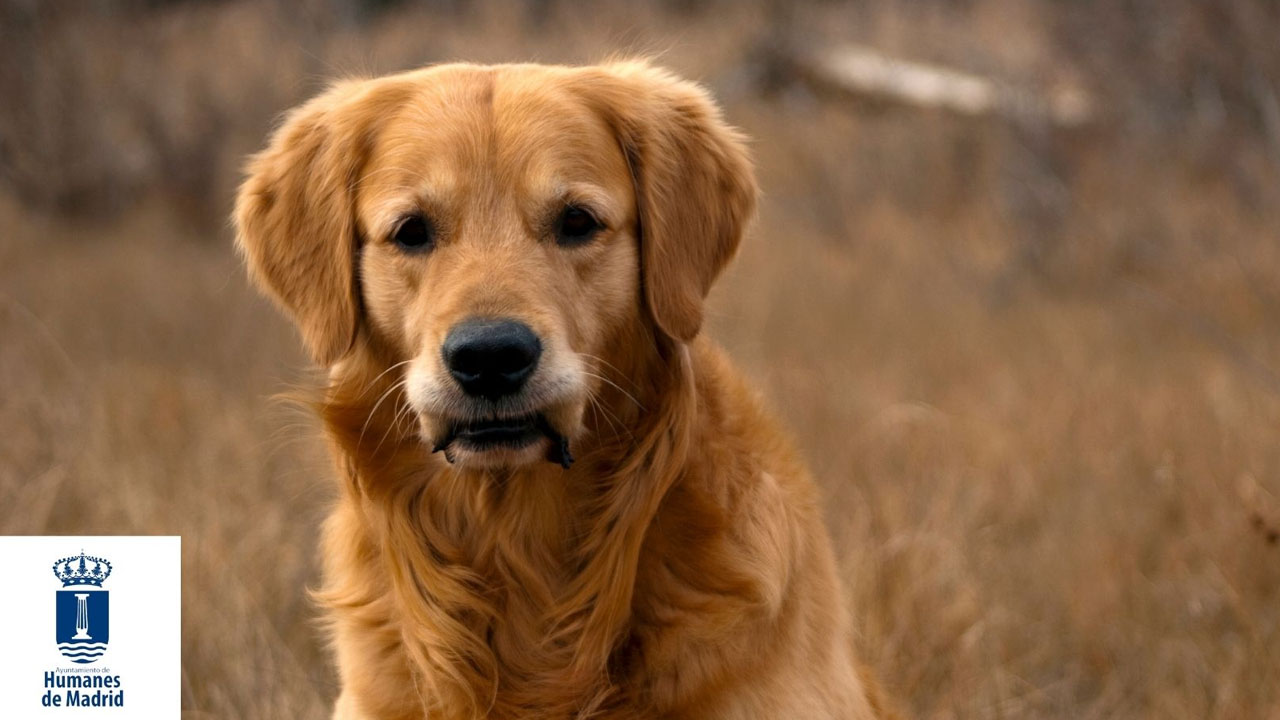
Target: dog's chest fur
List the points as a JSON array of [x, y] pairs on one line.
[[552, 594]]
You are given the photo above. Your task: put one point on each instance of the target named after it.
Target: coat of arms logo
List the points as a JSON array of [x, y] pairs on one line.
[[83, 622]]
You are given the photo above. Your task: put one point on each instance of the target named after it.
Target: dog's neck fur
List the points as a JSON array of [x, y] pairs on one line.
[[515, 590]]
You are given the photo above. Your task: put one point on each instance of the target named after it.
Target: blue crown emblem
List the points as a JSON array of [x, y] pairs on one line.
[[75, 570]]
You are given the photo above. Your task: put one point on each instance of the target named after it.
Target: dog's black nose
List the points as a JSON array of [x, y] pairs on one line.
[[491, 358]]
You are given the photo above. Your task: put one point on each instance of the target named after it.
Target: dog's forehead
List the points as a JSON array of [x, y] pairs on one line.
[[520, 125]]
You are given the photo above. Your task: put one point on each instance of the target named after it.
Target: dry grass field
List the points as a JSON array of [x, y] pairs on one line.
[[1037, 370]]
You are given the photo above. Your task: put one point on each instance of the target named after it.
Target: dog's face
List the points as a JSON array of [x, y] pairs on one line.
[[498, 230]]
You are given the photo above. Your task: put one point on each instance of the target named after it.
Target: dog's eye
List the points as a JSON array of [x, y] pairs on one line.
[[414, 234], [576, 226]]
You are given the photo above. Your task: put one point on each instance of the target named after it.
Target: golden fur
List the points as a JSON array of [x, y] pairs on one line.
[[678, 569]]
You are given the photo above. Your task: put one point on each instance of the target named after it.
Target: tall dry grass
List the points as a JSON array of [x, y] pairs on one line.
[[1037, 371]]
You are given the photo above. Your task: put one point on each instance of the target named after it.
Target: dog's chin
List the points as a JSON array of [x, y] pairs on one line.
[[466, 455], [494, 443]]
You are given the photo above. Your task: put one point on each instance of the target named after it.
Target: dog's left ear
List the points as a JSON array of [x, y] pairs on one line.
[[695, 187]]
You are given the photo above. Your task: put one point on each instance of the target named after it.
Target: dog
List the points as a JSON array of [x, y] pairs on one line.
[[557, 498]]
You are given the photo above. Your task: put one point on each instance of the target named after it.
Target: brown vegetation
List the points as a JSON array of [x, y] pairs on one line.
[[1037, 371]]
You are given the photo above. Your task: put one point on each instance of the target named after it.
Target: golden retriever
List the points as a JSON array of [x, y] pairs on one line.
[[558, 499]]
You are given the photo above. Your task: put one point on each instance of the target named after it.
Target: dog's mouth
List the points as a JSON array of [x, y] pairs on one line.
[[508, 433]]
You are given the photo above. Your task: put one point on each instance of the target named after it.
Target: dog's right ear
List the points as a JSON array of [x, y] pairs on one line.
[[295, 214]]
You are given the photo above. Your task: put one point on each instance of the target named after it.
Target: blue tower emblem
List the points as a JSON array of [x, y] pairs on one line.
[[83, 626]]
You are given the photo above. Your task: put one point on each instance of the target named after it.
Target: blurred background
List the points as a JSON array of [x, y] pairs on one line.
[[1015, 287]]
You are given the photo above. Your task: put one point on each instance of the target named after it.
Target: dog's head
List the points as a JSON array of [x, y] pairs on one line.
[[497, 230]]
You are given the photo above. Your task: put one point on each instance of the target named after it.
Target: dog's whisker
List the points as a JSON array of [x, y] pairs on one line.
[[613, 420], [374, 410], [616, 371], [395, 421], [372, 382], [615, 386], [407, 414], [596, 413], [616, 426]]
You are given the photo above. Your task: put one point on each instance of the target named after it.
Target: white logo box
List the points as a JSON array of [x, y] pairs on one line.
[[139, 673]]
